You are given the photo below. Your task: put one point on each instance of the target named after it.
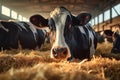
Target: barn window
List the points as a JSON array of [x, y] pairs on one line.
[[117, 8], [25, 19], [5, 11], [20, 17], [96, 20], [13, 14], [107, 15], [100, 18], [92, 22], [114, 14]]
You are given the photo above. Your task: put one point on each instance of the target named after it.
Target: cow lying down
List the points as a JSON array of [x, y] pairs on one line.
[[14, 35], [71, 36], [115, 38], [116, 43]]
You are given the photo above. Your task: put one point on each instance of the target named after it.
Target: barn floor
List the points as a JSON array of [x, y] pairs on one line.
[[37, 65]]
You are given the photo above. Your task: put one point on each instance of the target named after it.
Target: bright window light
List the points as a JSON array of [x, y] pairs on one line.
[[25, 19], [117, 7], [96, 20], [114, 14], [5, 11], [92, 22], [20, 17], [13, 14], [100, 18], [107, 15]]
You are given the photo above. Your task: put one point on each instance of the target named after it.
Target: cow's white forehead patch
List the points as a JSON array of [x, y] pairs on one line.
[[58, 11], [55, 12]]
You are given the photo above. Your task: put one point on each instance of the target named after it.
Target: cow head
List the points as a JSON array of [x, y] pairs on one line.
[[61, 24]]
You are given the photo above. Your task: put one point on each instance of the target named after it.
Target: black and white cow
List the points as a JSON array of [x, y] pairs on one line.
[[114, 37], [116, 43], [14, 35], [72, 36]]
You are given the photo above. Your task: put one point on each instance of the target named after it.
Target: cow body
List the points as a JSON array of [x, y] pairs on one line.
[[71, 36], [14, 35]]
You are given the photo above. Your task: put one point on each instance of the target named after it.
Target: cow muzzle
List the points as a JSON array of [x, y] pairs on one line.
[[60, 53]]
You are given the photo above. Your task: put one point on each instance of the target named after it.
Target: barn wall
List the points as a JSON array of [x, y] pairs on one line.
[[114, 25]]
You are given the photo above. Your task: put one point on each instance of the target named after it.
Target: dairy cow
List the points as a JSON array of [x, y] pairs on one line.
[[71, 36], [114, 37], [116, 43], [14, 35]]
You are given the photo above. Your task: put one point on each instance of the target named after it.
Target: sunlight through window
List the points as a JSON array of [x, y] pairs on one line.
[[114, 14], [25, 19], [100, 18], [96, 20], [92, 22], [5, 11], [13, 14], [20, 17], [117, 7], [107, 15]]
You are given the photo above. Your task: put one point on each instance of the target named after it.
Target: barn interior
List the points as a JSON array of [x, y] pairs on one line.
[[37, 64], [25, 8]]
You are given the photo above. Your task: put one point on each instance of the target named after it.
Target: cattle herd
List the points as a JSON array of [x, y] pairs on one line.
[[71, 36]]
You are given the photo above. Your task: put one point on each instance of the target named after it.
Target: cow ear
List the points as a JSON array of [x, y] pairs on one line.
[[83, 18], [38, 20]]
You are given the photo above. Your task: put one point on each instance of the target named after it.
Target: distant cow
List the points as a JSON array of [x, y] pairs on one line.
[[116, 43], [14, 35], [115, 38], [72, 36]]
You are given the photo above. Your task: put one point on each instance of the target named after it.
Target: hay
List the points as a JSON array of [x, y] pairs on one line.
[[37, 65]]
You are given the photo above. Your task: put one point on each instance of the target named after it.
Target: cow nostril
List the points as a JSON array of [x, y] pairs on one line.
[[65, 51], [60, 53], [55, 50], [59, 50]]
